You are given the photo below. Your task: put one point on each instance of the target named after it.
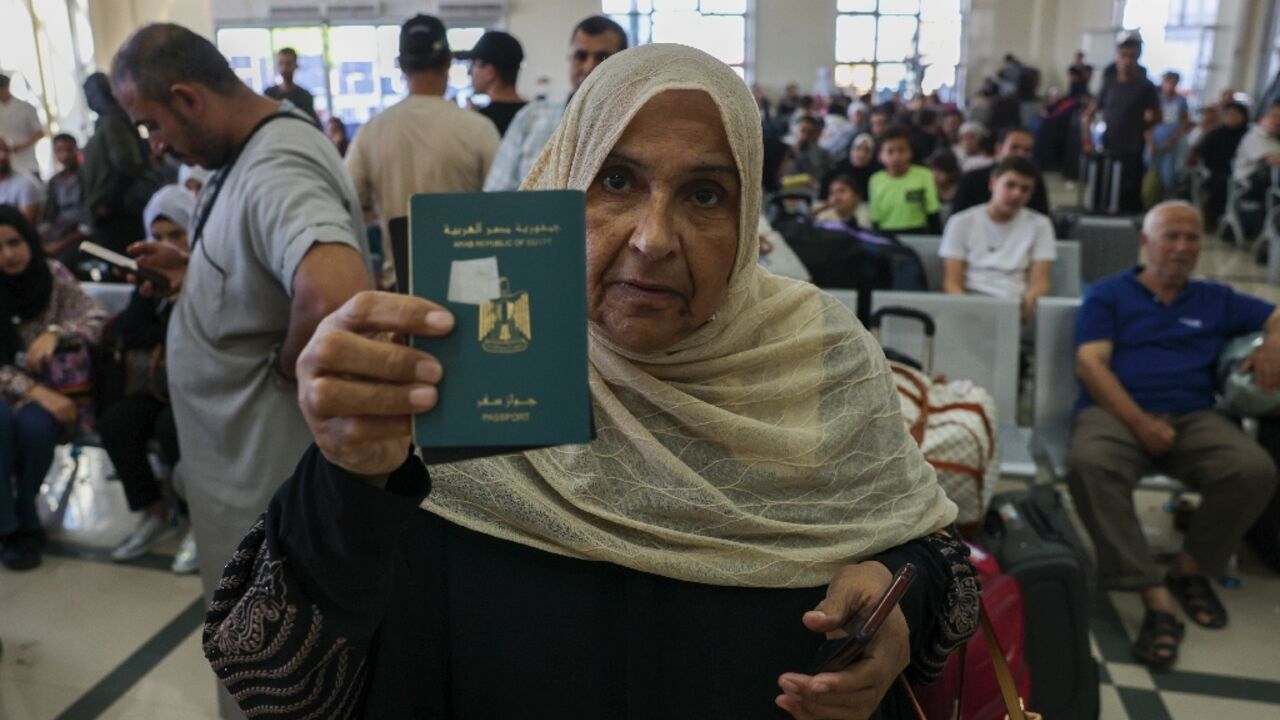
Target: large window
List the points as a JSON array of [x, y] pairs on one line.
[[717, 27], [46, 48], [350, 69], [1176, 35], [905, 46]]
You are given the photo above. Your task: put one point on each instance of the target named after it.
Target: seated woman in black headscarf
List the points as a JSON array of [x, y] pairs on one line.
[[46, 323], [751, 487]]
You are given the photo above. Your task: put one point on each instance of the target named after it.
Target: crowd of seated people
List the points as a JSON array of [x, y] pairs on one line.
[[1147, 339], [68, 374], [1154, 133], [1231, 150]]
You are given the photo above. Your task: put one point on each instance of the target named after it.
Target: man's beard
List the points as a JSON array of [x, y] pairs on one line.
[[5, 168], [213, 151]]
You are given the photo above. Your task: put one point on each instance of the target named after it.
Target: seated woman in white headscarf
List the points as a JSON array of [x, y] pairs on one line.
[[135, 398], [751, 487]]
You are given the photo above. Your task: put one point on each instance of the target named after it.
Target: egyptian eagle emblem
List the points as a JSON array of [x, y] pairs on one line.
[[504, 322]]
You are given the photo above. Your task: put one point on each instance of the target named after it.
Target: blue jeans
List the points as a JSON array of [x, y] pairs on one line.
[[1167, 163], [27, 439]]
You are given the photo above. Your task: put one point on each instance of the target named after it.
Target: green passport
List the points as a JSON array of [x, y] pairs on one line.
[[511, 267]]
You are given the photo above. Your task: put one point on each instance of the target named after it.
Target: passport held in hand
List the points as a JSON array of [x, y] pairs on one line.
[[511, 267]]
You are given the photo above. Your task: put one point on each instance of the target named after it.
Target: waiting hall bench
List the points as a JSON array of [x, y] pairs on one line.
[[112, 296], [977, 339]]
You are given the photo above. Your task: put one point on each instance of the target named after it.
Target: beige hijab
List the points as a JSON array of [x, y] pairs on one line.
[[764, 450]]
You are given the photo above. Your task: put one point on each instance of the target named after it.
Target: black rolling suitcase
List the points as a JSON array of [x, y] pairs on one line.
[[1033, 540], [1100, 181], [1264, 536]]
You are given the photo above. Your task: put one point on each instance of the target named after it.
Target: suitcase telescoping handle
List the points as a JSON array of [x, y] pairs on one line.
[[904, 312], [930, 328]]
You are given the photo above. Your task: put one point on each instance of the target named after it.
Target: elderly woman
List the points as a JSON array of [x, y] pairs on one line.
[[751, 487]]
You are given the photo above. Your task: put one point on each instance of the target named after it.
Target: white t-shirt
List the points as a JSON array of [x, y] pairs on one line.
[[20, 190], [998, 254], [18, 122], [1253, 150]]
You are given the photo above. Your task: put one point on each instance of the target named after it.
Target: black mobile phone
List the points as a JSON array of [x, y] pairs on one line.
[[838, 654], [126, 264]]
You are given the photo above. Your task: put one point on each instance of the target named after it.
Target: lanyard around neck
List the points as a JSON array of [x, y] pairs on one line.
[[219, 178]]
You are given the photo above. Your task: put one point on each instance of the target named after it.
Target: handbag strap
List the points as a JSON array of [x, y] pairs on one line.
[[1004, 677], [1008, 689], [911, 695]]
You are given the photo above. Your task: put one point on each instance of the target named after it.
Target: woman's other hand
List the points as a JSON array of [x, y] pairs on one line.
[[359, 390], [54, 403], [40, 351], [855, 692]]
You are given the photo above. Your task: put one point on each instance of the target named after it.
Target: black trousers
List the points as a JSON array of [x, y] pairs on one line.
[[1132, 168], [1216, 199], [126, 427]]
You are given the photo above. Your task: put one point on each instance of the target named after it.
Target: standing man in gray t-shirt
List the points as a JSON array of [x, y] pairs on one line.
[[1130, 105], [278, 245]]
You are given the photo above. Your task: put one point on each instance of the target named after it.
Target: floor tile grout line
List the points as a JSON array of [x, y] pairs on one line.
[[1142, 704], [1222, 686], [117, 683]]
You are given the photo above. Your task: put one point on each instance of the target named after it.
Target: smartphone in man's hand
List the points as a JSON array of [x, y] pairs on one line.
[[126, 264]]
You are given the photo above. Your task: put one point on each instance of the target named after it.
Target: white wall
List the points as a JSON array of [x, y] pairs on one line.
[[1236, 53], [113, 21], [793, 40], [1041, 33], [543, 28]]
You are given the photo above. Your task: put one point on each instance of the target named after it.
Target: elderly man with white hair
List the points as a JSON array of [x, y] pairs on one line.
[[1147, 341]]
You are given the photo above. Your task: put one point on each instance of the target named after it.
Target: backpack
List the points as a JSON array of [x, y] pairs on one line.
[[838, 256]]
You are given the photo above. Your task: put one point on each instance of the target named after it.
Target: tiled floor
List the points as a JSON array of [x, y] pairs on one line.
[[1234, 672], [85, 638]]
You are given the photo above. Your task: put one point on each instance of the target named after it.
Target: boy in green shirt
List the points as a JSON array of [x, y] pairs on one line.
[[904, 198]]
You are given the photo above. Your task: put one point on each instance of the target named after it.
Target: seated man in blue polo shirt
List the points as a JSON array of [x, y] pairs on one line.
[[1146, 345]]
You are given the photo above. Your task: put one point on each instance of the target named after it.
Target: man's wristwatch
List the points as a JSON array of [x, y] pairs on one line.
[[55, 330]]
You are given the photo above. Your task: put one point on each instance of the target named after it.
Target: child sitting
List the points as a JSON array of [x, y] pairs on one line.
[[844, 204], [904, 198]]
